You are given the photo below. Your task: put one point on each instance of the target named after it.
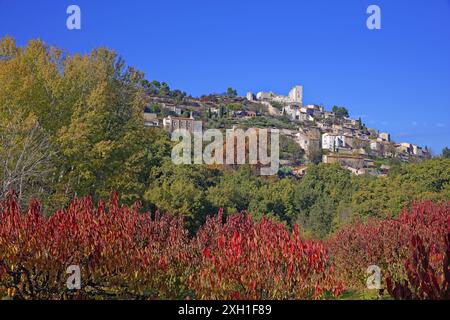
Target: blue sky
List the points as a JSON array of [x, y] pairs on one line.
[[396, 78]]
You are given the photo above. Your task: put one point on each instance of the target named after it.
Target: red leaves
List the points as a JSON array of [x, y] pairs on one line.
[[207, 253], [119, 250], [126, 254], [260, 260], [424, 280], [398, 246]]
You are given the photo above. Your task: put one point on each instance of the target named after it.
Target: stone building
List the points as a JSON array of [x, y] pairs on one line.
[[384, 137], [356, 162], [151, 120], [308, 139], [333, 142], [173, 123], [295, 96]]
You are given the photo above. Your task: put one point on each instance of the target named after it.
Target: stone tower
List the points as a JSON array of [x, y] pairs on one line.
[[296, 94]]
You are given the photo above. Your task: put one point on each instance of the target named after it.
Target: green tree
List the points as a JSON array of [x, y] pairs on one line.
[[340, 112], [232, 93], [164, 90], [290, 150], [234, 192], [181, 190], [89, 108], [234, 106]]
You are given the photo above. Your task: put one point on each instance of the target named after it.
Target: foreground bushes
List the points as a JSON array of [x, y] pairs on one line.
[[123, 253], [243, 259], [424, 280], [126, 254], [393, 245]]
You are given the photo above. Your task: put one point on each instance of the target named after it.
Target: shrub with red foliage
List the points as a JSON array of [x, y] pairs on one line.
[[123, 253], [424, 281], [243, 259], [388, 243]]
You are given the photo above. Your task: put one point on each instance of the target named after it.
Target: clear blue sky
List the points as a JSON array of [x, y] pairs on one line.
[[397, 78]]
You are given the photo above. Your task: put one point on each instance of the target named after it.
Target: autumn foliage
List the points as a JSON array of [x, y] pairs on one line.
[[398, 246], [123, 253], [425, 281], [247, 260]]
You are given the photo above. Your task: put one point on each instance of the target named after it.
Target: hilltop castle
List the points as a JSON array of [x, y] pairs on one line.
[[295, 96]]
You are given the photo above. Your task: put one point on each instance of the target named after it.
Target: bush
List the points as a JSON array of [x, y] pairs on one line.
[[242, 259], [424, 281], [125, 254], [388, 243], [121, 253]]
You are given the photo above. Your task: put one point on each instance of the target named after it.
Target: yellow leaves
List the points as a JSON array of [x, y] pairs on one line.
[[7, 47], [103, 149]]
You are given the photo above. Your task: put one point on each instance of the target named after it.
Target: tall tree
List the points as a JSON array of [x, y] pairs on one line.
[[231, 92]]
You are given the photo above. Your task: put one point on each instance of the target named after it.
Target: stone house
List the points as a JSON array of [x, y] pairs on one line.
[[308, 139], [333, 142], [151, 120], [173, 123]]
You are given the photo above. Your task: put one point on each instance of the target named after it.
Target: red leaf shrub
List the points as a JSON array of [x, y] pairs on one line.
[[424, 281], [388, 244], [126, 254], [242, 259], [121, 253]]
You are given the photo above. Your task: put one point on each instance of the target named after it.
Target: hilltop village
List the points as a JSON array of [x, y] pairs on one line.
[[310, 134]]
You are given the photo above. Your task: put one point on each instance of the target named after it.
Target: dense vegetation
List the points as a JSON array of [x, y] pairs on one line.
[[125, 253], [391, 244], [71, 125]]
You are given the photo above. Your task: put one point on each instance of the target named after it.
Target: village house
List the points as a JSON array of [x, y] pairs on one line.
[[377, 148], [328, 115], [214, 110], [345, 160], [333, 142], [315, 109], [151, 120], [337, 129], [384, 137], [351, 123], [355, 163], [325, 127], [176, 110], [173, 123], [404, 148], [297, 113], [308, 139]]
